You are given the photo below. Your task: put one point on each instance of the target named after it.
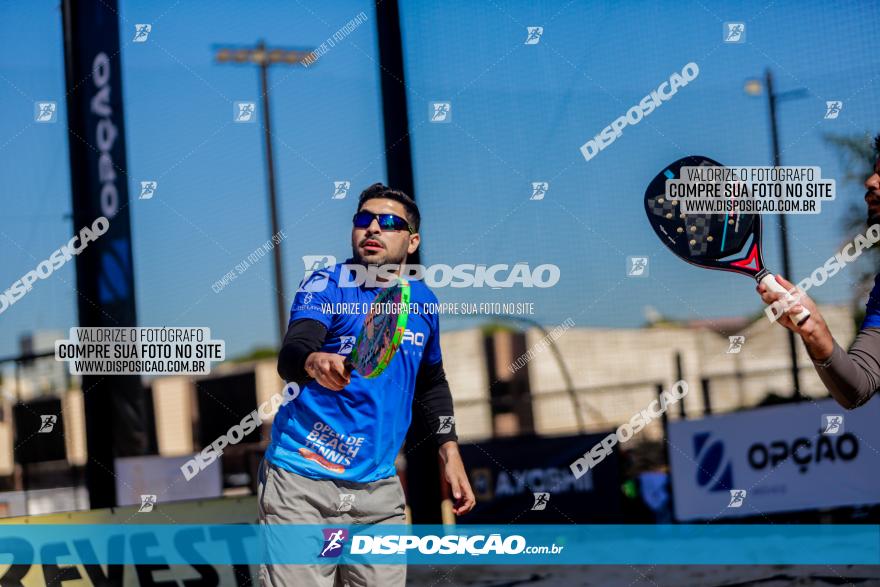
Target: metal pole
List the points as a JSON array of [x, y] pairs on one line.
[[280, 299], [423, 475], [664, 417], [707, 396], [25, 479], [664, 420], [17, 382], [679, 373], [783, 234]]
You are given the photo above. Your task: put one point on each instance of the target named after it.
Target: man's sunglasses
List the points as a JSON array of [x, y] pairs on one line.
[[364, 219]]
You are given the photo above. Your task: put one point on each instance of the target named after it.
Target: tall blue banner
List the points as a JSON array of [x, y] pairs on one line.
[[104, 271]]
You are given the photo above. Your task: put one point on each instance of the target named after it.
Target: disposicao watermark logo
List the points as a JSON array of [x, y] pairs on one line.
[[737, 498], [334, 540], [736, 344], [539, 190], [148, 190], [346, 501], [45, 111], [47, 423], [148, 502], [498, 276], [533, 35], [236, 434], [832, 109], [449, 544], [637, 266], [340, 189], [832, 424], [244, 112], [629, 429], [829, 269], [142, 32], [646, 106], [542, 498], [440, 112], [734, 32], [447, 423], [56, 260], [346, 345]]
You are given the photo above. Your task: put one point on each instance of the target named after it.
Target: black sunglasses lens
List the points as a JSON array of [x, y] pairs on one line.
[[363, 219], [391, 222]]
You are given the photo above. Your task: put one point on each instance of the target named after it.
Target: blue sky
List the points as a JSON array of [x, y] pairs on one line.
[[520, 113]]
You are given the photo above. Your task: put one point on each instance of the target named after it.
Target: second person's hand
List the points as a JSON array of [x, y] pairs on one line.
[[814, 331]]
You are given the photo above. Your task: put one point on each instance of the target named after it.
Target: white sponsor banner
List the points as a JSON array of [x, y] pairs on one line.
[[160, 476], [786, 458]]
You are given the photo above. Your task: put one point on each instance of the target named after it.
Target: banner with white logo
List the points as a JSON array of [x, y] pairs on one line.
[[528, 480], [114, 405], [804, 456]]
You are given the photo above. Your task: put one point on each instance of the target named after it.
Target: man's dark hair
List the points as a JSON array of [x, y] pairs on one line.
[[379, 190], [877, 145]]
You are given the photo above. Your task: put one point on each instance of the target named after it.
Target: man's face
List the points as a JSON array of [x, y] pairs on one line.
[[872, 196], [373, 246]]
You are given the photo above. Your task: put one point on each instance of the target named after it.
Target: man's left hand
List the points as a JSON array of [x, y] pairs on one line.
[[453, 468]]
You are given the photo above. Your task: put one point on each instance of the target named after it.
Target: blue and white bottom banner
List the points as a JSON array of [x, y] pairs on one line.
[[232, 544]]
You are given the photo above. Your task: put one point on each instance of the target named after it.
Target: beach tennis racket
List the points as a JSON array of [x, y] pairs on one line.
[[382, 332], [726, 242]]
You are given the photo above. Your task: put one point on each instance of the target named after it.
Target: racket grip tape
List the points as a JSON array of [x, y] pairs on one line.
[[769, 281]]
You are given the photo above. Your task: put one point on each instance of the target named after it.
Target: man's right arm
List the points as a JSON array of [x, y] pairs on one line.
[[304, 337], [301, 359], [852, 378]]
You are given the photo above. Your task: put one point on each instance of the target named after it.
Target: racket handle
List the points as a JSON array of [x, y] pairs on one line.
[[769, 281]]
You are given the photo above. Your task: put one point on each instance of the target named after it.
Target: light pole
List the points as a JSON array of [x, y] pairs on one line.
[[263, 57], [753, 87]]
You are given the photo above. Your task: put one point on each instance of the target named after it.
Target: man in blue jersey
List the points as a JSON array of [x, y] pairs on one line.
[[331, 458], [851, 377]]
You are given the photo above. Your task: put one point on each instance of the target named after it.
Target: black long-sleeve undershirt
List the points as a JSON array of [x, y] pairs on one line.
[[303, 338], [432, 399]]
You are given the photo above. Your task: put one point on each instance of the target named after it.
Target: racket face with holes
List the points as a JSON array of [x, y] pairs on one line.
[[383, 330], [727, 242]]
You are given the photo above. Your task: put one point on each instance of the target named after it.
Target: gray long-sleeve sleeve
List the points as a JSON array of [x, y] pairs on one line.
[[853, 377]]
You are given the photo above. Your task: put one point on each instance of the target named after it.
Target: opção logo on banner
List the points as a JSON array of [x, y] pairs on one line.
[[785, 456]]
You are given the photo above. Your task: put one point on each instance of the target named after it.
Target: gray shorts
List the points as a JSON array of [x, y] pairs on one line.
[[288, 498]]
